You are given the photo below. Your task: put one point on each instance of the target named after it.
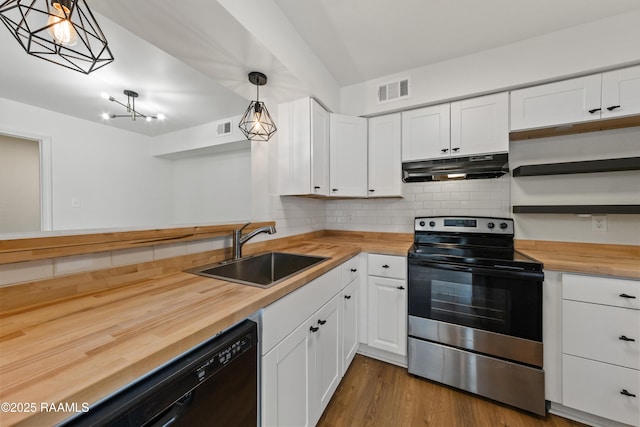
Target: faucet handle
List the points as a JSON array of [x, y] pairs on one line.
[[245, 226]]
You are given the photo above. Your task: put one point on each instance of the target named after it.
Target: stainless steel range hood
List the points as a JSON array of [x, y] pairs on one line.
[[471, 167]]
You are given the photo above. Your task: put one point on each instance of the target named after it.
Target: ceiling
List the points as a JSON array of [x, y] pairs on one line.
[[191, 62]]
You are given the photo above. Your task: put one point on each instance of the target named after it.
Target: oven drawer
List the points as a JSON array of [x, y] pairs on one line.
[[601, 332], [510, 383], [597, 388], [601, 290], [393, 267]]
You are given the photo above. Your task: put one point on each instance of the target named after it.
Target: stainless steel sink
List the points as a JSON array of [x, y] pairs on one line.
[[260, 270]]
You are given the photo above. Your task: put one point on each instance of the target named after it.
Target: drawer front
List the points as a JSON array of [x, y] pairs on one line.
[[602, 333], [597, 388], [286, 314], [602, 290], [350, 270], [393, 267]]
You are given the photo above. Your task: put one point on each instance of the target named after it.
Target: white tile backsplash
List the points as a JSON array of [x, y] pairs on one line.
[[25, 271], [489, 197], [80, 263]]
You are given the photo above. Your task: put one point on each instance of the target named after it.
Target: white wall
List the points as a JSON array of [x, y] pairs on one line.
[[603, 44], [213, 188], [109, 171], [19, 185]]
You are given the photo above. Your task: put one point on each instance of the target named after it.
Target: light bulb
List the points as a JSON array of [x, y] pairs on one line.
[[61, 28]]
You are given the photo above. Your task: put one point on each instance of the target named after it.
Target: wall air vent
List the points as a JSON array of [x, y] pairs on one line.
[[223, 128], [394, 91]]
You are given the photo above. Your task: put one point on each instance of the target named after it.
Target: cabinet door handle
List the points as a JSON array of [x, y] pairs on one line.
[[321, 322], [444, 150], [595, 110], [317, 187], [314, 329], [624, 338], [371, 191], [627, 296], [385, 266], [334, 190], [353, 270], [456, 149], [613, 107], [626, 393], [347, 297], [401, 288]]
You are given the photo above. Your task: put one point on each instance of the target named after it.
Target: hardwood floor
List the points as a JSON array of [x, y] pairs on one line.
[[375, 393]]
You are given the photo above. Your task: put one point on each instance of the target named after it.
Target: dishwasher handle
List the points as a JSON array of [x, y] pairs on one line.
[[174, 412]]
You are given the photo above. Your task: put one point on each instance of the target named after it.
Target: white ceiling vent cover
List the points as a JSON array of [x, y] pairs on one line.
[[394, 91], [223, 128]]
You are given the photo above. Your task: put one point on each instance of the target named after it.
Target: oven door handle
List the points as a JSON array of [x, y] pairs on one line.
[[496, 270]]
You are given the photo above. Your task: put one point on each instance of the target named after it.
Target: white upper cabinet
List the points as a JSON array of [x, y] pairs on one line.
[[480, 125], [568, 101], [385, 163], [621, 92], [303, 148], [348, 156], [463, 128], [599, 96], [425, 133]]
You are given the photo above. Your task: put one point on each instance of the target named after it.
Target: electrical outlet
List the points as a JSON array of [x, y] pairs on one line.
[[598, 223]]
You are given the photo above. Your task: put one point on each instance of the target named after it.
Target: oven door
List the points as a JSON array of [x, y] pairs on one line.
[[500, 301]]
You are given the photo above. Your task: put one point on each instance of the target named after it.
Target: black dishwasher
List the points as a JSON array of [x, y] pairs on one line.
[[215, 384]]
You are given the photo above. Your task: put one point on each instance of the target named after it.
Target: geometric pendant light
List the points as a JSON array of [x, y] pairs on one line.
[[256, 123], [60, 31]]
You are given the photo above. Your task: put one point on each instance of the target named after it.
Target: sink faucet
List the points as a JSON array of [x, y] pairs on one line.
[[239, 239]]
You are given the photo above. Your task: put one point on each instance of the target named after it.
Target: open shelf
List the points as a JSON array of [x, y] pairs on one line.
[[587, 166], [575, 128], [577, 209]]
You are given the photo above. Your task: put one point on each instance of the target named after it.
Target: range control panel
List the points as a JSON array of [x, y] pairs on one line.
[[464, 224]]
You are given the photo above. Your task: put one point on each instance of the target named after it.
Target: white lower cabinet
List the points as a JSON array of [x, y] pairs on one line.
[[307, 344], [287, 375], [350, 299], [387, 303], [600, 347]]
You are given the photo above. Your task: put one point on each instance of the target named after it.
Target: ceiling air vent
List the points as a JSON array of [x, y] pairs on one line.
[[224, 128], [393, 91]]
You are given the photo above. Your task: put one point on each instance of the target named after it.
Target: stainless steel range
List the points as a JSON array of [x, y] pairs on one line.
[[475, 310]]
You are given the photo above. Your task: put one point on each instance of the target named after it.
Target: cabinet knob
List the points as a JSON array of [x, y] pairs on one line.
[[613, 107], [314, 329], [401, 288], [321, 322], [347, 297], [627, 296], [624, 338], [626, 393], [385, 266], [353, 270], [455, 149], [595, 110], [444, 150]]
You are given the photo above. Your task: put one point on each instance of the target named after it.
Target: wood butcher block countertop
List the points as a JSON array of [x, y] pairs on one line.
[[588, 258], [83, 349]]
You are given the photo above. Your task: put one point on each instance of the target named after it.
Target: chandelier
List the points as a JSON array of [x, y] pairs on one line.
[[256, 123], [130, 106], [60, 31]]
